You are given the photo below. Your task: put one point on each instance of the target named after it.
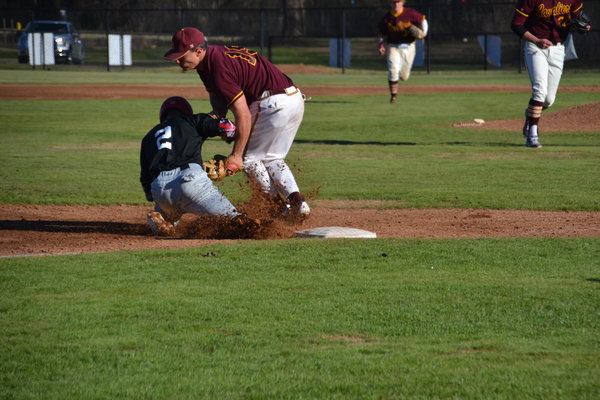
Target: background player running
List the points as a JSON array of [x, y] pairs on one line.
[[400, 28], [544, 25]]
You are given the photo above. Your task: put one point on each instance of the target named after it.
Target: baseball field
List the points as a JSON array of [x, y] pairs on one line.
[[483, 282]]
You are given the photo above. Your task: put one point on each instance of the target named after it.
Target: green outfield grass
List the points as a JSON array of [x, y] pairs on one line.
[[301, 319], [86, 152], [170, 74], [308, 319]]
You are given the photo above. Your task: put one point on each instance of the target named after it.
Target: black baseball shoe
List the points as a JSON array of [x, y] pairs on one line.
[[526, 128]]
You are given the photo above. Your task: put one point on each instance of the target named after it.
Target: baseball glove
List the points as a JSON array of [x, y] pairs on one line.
[[579, 23], [215, 167], [416, 32]]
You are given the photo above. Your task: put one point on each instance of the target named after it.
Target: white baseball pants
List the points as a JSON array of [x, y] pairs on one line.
[[275, 121], [400, 58], [545, 68]]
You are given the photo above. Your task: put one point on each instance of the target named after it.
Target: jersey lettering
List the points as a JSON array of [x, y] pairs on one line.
[[562, 21], [240, 52], [399, 26], [558, 9], [163, 137]]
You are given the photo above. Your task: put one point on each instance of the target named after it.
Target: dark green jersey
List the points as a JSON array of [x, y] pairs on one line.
[[173, 144]]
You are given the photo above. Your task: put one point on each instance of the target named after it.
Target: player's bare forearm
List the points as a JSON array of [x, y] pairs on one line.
[[518, 26], [243, 121], [381, 46], [541, 43]]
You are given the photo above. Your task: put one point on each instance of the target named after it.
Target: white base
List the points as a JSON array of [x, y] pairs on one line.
[[335, 232]]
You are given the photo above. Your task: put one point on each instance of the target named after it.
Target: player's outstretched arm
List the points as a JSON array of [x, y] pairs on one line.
[[243, 121], [518, 27]]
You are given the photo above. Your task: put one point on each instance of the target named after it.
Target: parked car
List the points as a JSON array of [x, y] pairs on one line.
[[68, 46]]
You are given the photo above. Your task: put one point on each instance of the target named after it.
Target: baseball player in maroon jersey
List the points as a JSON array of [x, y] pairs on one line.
[[171, 166], [267, 108], [544, 25], [400, 28]]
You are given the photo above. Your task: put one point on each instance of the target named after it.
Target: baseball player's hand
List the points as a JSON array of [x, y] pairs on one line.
[[382, 49], [543, 43], [215, 167], [581, 23], [227, 130], [234, 164]]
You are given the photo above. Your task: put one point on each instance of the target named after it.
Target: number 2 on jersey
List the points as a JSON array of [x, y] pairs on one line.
[[163, 138]]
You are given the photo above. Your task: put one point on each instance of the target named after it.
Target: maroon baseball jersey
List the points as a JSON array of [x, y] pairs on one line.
[[394, 27], [547, 19], [230, 71]]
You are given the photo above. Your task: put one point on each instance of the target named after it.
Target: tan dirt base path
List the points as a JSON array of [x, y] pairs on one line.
[[43, 230]]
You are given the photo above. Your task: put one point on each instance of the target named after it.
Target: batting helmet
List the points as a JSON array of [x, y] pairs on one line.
[[175, 103]]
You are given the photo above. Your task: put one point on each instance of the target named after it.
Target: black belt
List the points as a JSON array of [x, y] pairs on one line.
[[184, 166]]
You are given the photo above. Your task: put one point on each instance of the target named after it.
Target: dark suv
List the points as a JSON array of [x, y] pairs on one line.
[[68, 46]]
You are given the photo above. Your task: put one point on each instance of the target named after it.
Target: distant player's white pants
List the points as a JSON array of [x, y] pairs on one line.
[[276, 120], [400, 58], [545, 68]]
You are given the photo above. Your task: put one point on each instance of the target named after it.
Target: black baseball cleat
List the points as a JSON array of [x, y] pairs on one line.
[[526, 128], [393, 99]]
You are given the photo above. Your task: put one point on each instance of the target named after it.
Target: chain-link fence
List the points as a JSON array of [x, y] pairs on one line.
[[462, 35]]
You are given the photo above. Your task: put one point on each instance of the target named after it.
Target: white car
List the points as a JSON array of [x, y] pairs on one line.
[[68, 46]]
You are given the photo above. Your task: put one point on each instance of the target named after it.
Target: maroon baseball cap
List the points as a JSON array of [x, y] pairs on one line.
[[184, 40]]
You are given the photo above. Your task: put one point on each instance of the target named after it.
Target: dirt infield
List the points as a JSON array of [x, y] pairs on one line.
[[43, 230]]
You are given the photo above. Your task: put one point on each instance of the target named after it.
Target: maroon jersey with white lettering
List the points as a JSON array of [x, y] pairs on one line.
[[547, 19], [394, 27], [230, 71]]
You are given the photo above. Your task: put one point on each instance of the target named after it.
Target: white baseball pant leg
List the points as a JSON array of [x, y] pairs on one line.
[[276, 120], [545, 68], [400, 58]]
